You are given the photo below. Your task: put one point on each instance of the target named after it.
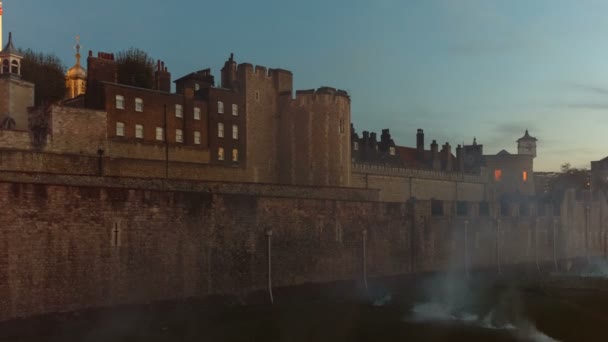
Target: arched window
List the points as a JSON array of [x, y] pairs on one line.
[[5, 66], [15, 67]]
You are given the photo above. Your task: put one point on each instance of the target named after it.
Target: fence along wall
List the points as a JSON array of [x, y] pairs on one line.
[[87, 244]]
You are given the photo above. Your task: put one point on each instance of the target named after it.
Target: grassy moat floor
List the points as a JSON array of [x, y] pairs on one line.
[[440, 308]]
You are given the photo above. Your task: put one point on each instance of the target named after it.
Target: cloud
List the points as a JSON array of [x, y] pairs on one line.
[[589, 88]]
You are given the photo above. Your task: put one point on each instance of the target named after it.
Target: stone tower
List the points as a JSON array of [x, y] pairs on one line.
[[76, 77], [526, 145], [16, 95]]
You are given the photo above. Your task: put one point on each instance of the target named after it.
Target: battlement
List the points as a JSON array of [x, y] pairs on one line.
[[321, 94], [102, 55]]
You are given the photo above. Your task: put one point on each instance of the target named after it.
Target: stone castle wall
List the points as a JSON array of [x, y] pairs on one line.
[[399, 184], [70, 242]]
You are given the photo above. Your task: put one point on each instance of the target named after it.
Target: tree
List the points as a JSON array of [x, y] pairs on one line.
[[135, 68], [47, 73]]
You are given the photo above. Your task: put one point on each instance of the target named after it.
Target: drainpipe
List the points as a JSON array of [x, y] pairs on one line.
[[365, 258], [536, 245], [269, 243], [587, 209], [555, 244], [498, 246], [466, 248]]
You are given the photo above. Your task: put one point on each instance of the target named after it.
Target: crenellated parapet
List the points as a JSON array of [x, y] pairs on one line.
[[321, 95]]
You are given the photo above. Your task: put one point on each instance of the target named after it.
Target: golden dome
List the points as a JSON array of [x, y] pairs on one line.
[[77, 71]]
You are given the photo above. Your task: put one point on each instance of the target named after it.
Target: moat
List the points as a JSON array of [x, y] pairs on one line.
[[525, 307]]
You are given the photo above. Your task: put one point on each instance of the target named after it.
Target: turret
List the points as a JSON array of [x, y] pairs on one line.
[[11, 60], [526, 145]]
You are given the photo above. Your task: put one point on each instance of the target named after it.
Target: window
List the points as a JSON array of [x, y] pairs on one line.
[[179, 136], [356, 146], [484, 209], [15, 68], [220, 153], [235, 155], [235, 109], [220, 130], [139, 105], [5, 66], [197, 87], [220, 107], [197, 138], [120, 102], [160, 134], [498, 175], [257, 96], [436, 208], [139, 131], [179, 111], [197, 113], [462, 208], [235, 132], [524, 176], [391, 151], [341, 129], [120, 129]]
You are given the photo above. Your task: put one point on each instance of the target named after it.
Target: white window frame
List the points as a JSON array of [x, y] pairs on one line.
[[139, 131], [235, 155], [197, 113], [235, 109], [220, 130], [220, 153], [160, 134], [179, 135], [220, 107], [179, 111], [139, 104], [235, 132], [120, 129], [197, 137], [120, 102]]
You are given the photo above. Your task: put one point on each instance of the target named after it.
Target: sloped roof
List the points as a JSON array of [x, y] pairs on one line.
[[527, 137], [503, 153]]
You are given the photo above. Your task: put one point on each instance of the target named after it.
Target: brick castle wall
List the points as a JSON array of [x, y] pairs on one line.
[[70, 243]]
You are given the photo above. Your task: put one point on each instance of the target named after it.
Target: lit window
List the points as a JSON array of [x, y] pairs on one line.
[[160, 134], [356, 146], [120, 102], [139, 105], [197, 86], [197, 113], [391, 150], [220, 130], [179, 111], [498, 175], [197, 138], [220, 107], [139, 131], [220, 153], [235, 110], [120, 129], [179, 136], [235, 155], [524, 176], [235, 132]]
